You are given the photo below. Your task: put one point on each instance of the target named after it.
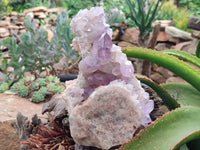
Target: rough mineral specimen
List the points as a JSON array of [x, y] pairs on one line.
[[106, 103]]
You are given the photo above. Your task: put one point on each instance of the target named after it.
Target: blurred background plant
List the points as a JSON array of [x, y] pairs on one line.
[[143, 13], [32, 55], [191, 5], [5, 8], [169, 11]]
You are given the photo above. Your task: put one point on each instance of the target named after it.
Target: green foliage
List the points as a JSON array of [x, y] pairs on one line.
[[168, 100], [63, 39], [198, 50], [192, 5], [53, 79], [179, 16], [4, 87], [187, 97], [172, 63], [183, 93], [37, 97], [115, 17], [23, 91], [73, 6], [21, 5], [184, 56], [34, 86], [142, 18], [32, 55], [52, 87], [16, 85], [43, 90], [169, 132], [41, 81], [5, 9], [37, 89]]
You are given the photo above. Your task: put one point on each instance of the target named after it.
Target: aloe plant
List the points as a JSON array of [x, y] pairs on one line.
[[180, 127], [143, 13]]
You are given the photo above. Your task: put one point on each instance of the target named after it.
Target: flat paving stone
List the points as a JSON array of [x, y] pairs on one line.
[[10, 105]]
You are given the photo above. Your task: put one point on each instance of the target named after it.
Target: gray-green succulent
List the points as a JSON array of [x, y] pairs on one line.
[[37, 89]]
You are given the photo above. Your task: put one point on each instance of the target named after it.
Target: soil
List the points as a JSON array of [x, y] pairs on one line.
[[8, 137]]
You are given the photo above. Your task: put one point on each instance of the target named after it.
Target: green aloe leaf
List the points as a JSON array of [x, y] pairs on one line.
[[184, 93], [198, 50], [185, 56], [172, 63], [169, 101], [169, 132]]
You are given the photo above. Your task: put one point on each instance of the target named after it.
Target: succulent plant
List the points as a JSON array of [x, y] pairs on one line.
[[34, 86], [23, 91], [37, 97], [38, 88], [41, 82], [61, 88], [53, 79], [43, 90], [28, 78], [52, 87], [3, 87]]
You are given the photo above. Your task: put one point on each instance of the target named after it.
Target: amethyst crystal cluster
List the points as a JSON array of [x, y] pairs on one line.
[[106, 103]]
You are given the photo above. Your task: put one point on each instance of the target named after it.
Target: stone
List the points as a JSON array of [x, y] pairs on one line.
[[126, 44], [40, 15], [162, 46], [175, 32], [106, 103], [175, 80], [131, 35], [10, 105], [164, 72], [8, 19], [55, 10], [3, 30], [11, 26], [163, 24], [193, 23], [192, 47], [13, 13], [4, 23], [5, 35], [115, 34], [99, 116], [180, 46], [36, 9], [195, 34], [158, 78], [164, 37], [22, 31]]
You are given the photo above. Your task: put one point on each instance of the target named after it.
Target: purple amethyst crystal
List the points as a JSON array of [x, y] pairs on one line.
[[106, 103]]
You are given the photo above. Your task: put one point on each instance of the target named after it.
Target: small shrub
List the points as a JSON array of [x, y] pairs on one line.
[[43, 90], [53, 79], [3, 87], [41, 81], [34, 86], [23, 91], [169, 11], [37, 97]]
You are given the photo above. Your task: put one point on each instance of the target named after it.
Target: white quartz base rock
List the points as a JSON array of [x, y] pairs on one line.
[[107, 118]]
